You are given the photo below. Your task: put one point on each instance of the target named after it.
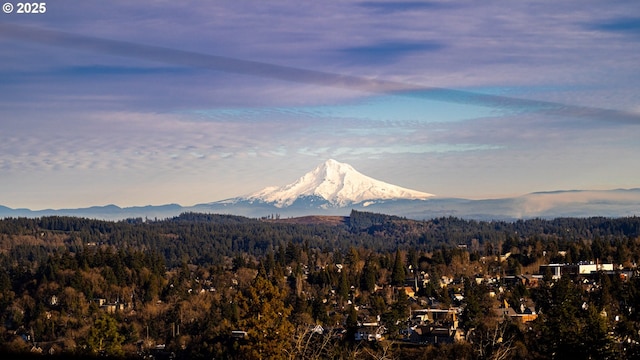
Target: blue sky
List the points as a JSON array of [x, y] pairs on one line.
[[155, 102]]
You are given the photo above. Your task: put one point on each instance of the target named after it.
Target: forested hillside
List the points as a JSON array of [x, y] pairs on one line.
[[225, 286]]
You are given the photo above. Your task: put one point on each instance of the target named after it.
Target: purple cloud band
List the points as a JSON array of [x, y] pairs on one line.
[[306, 76]]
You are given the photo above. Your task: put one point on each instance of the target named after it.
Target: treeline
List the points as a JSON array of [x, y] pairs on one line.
[[206, 239]]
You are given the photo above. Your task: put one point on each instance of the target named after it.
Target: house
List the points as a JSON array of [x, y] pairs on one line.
[[100, 301], [435, 326], [427, 334], [440, 317], [238, 334], [409, 291], [589, 268], [529, 314], [583, 268], [505, 312], [370, 332], [425, 278], [445, 281], [530, 281], [111, 308], [525, 315]]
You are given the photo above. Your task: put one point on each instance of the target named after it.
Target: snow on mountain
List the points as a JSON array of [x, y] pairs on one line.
[[337, 183]]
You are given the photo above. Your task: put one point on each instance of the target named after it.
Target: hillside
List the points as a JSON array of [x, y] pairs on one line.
[[313, 220], [213, 285]]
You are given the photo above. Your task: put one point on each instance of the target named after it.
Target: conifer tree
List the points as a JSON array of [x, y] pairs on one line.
[[266, 320], [398, 275], [104, 338]]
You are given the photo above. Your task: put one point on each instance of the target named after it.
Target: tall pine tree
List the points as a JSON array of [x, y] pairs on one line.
[[398, 274]]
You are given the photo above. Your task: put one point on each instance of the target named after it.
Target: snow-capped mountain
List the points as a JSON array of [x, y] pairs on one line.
[[334, 184]]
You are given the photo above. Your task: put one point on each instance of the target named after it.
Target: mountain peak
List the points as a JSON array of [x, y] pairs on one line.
[[337, 183], [333, 167], [331, 162]]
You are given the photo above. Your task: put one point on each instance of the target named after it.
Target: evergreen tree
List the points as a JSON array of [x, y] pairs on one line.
[[368, 278], [398, 274], [266, 320], [569, 326], [104, 338], [476, 304], [343, 286]]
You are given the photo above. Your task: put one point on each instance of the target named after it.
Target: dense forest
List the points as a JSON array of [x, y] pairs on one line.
[[222, 286]]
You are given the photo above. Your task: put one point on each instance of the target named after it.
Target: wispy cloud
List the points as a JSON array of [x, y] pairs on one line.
[[624, 25], [388, 51], [299, 75], [403, 6]]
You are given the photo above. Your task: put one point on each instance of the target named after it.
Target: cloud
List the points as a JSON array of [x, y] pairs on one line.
[[108, 70], [402, 6], [388, 51], [624, 25], [300, 75]]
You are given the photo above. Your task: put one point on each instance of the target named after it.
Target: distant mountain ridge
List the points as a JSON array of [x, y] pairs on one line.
[[335, 188]]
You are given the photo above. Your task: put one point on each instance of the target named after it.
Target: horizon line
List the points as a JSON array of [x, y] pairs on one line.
[[438, 197]]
